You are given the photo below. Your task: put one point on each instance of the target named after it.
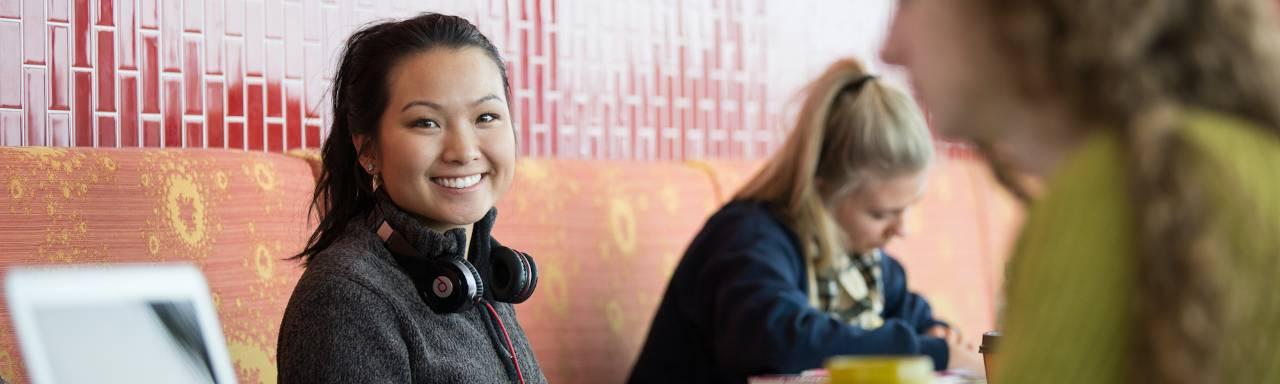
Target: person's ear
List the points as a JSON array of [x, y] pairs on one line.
[[365, 153]]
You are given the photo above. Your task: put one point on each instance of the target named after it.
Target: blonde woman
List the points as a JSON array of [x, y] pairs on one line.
[[1152, 254], [791, 273]]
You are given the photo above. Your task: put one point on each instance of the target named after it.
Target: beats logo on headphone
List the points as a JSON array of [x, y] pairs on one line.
[[450, 283], [443, 287]]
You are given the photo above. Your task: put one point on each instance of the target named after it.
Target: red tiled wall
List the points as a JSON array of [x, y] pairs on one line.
[[663, 79]]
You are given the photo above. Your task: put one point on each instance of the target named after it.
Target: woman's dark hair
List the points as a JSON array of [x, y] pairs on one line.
[[344, 191]]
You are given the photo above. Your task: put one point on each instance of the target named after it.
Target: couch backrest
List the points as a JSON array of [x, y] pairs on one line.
[[236, 215], [606, 236]]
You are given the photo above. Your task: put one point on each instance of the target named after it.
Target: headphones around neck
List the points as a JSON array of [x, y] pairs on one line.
[[451, 284]]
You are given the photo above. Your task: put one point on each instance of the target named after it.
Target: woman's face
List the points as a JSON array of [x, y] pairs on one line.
[[873, 214], [446, 148], [951, 62]]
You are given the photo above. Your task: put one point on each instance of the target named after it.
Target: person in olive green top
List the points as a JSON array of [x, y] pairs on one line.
[[1151, 250]]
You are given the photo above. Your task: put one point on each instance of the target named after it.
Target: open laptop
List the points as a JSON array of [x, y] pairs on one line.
[[124, 323]]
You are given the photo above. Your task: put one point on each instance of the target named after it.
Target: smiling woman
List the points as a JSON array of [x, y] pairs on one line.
[[403, 281], [446, 150]]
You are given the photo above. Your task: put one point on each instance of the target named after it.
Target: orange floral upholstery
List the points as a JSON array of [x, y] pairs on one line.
[[606, 236], [727, 176], [236, 215]]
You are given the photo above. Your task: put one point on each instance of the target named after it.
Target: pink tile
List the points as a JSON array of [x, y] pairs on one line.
[[59, 129], [171, 36], [82, 108], [235, 136], [59, 10], [334, 33], [293, 116], [312, 136], [293, 41], [195, 134], [107, 132], [151, 134], [275, 70], [313, 28], [275, 99], [106, 72], [235, 17], [10, 65], [11, 9], [314, 75], [275, 137], [194, 18], [11, 128], [128, 111], [253, 39], [191, 77], [538, 115], [59, 68], [235, 78], [215, 27], [36, 108], [213, 115], [80, 30], [150, 73], [106, 15], [172, 116], [275, 13], [126, 36], [149, 14], [255, 125], [33, 29]]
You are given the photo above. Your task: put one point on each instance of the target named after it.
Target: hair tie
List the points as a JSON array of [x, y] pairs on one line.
[[857, 84]]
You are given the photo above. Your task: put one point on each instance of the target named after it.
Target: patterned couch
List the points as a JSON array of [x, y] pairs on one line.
[[606, 236]]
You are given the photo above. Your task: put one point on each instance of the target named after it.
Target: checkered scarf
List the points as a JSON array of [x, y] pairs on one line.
[[854, 293]]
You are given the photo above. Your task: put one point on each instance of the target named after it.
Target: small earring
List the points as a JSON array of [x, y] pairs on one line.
[[371, 167]]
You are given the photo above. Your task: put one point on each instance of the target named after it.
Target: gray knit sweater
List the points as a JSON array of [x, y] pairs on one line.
[[355, 317]]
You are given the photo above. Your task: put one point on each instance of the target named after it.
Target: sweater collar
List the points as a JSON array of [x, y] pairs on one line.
[[432, 244]]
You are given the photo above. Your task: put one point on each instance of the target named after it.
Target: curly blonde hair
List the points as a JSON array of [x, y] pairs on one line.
[[1132, 66]]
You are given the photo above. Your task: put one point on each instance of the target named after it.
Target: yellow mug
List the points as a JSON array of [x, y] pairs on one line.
[[880, 370]]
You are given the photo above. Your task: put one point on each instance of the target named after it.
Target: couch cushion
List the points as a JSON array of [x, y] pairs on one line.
[[236, 215], [606, 236]]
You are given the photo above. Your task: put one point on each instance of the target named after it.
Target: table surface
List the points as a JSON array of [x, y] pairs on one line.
[[822, 378]]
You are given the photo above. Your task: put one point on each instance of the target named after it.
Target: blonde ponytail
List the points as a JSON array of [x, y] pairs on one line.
[[851, 127]]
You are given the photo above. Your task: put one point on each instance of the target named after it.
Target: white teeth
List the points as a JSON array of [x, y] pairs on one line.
[[458, 182]]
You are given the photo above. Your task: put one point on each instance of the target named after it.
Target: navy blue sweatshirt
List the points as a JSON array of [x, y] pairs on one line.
[[738, 305]]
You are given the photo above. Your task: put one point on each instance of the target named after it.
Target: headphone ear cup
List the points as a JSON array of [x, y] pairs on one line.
[[453, 286], [533, 279], [475, 275], [515, 275]]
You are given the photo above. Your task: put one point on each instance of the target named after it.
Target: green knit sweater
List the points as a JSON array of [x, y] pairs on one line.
[[1069, 315]]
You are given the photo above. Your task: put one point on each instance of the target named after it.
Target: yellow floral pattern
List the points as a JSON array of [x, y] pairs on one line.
[[50, 182], [183, 226], [606, 236], [236, 215]]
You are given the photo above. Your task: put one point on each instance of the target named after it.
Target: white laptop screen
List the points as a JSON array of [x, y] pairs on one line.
[[123, 342], [117, 324]]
